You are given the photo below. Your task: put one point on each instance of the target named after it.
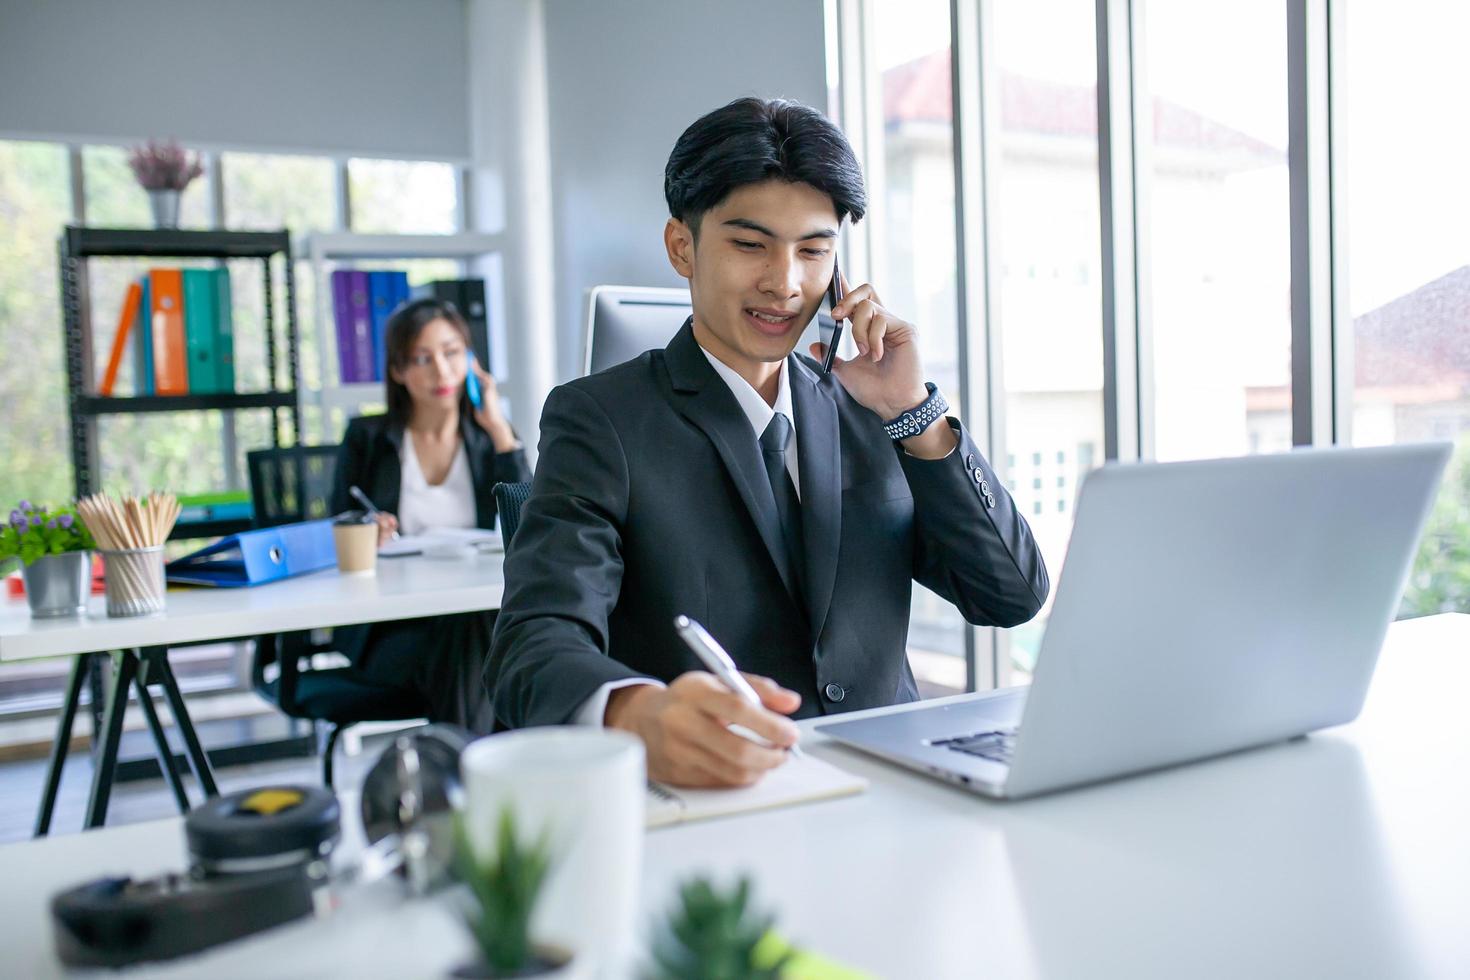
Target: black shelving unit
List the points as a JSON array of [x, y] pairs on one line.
[[77, 246]]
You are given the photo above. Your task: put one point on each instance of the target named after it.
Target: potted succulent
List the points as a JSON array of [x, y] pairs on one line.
[[55, 549], [717, 935], [503, 890], [164, 169]]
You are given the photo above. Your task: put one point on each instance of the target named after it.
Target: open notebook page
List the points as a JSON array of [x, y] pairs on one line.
[[800, 780]]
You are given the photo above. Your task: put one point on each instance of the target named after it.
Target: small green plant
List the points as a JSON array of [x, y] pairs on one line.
[[35, 530], [505, 888], [714, 935]]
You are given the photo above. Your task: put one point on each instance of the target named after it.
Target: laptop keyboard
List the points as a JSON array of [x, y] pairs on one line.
[[996, 745]]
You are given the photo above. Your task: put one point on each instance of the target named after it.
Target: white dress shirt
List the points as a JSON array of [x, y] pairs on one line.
[[422, 505], [760, 414]]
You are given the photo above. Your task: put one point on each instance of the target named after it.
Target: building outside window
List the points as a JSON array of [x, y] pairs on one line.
[[1407, 208]]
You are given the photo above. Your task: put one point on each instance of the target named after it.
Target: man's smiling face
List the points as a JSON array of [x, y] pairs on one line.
[[758, 270]]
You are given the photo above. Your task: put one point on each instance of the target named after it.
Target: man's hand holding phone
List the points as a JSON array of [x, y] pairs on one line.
[[887, 376], [685, 728]]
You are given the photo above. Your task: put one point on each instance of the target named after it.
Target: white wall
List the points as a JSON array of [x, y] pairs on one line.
[[624, 80], [369, 77]]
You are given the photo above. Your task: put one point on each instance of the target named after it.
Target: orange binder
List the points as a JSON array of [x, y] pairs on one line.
[[120, 339], [170, 356]]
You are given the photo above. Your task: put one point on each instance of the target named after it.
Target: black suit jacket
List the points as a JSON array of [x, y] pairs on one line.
[[370, 460], [651, 499]]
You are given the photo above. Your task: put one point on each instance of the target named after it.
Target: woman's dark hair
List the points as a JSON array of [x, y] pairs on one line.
[[753, 140], [404, 326]]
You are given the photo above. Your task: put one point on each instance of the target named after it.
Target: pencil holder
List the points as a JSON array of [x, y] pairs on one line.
[[134, 581]]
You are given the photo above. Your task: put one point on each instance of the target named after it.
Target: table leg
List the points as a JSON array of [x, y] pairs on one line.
[[97, 684], [80, 669], [125, 665], [193, 750], [160, 738]]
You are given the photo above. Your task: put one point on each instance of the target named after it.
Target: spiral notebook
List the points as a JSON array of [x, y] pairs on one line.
[[798, 780]]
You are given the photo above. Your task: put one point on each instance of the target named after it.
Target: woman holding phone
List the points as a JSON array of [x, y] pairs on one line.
[[431, 461]]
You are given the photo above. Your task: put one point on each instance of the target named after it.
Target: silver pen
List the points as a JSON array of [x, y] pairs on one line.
[[718, 662], [372, 508]]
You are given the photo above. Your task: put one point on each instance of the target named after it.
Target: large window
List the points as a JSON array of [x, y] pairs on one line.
[[34, 204], [912, 237], [1200, 241], [1408, 204], [1047, 240], [402, 196], [1219, 224]]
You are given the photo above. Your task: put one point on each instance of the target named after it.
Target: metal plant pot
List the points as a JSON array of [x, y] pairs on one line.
[[58, 585], [165, 208]]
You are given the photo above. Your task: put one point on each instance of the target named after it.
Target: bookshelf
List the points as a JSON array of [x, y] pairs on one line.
[[77, 247], [324, 249]]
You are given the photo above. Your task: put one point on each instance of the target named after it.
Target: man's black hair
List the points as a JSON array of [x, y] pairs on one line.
[[754, 140]]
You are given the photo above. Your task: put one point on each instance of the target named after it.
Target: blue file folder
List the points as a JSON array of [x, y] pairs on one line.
[[256, 557]]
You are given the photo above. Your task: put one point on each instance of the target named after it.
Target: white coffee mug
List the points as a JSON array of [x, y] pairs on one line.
[[585, 787]]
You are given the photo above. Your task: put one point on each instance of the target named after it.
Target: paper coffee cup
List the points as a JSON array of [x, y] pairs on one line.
[[357, 548]]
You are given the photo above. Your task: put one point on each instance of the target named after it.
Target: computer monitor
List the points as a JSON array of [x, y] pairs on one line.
[[625, 321]]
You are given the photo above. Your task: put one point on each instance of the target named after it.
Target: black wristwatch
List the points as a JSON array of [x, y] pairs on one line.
[[916, 420]]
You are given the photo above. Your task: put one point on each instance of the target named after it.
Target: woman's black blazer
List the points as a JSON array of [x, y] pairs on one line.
[[369, 460]]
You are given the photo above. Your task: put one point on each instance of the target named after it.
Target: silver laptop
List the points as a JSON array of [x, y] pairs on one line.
[[1205, 607]]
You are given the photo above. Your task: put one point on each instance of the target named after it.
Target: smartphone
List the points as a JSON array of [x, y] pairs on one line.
[[834, 297], [472, 381]]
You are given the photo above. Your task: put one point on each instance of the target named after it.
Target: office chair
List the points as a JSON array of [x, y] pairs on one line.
[[289, 485], [509, 499]]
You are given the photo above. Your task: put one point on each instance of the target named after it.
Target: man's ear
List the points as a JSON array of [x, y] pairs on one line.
[[679, 241]]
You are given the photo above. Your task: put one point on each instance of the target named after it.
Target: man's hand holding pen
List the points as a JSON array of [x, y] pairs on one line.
[[685, 728]]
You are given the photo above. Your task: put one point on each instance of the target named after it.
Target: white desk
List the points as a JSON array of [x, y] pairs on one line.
[[1343, 855], [402, 588]]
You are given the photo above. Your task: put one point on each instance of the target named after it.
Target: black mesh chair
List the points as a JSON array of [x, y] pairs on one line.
[[289, 485], [509, 499]]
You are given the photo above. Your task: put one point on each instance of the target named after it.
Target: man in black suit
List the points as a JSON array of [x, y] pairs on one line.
[[726, 478]]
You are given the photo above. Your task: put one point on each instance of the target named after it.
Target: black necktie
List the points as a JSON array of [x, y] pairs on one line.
[[788, 506]]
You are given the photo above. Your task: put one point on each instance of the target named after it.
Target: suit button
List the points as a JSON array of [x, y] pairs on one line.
[[835, 692], [979, 476], [970, 461], [990, 500], [985, 488]]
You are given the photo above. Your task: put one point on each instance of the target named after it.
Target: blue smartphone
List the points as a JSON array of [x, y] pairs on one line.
[[834, 297], [472, 381]]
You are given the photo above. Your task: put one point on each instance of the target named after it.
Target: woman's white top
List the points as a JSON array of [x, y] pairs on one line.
[[422, 505]]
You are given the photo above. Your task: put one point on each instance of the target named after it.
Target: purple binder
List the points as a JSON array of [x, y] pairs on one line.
[[360, 307], [342, 317]]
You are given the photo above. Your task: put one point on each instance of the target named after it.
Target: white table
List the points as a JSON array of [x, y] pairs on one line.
[[402, 588], [1343, 855]]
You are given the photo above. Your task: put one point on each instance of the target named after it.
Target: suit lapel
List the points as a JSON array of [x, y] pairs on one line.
[[701, 396], [819, 450]]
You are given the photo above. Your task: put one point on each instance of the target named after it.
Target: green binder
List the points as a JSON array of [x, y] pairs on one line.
[[199, 331], [224, 332]]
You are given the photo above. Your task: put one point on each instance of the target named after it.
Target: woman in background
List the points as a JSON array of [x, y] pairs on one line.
[[431, 461]]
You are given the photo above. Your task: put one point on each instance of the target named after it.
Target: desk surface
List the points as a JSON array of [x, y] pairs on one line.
[[1344, 854], [402, 588]]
